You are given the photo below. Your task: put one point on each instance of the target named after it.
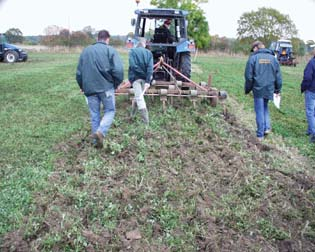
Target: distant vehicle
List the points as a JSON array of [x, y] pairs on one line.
[[284, 52], [11, 53]]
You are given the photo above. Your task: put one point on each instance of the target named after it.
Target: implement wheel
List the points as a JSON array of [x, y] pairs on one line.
[[214, 100]]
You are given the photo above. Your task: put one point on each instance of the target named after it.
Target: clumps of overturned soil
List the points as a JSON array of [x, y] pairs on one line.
[[195, 180]]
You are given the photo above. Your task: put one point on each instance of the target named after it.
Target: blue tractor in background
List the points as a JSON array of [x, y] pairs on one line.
[[284, 52], [10, 53]]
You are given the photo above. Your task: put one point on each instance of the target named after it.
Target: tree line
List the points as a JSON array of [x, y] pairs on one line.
[[265, 24], [59, 36]]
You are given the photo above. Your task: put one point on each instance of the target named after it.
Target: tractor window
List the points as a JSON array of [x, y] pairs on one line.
[[166, 34], [285, 45], [150, 27], [140, 27], [147, 27]]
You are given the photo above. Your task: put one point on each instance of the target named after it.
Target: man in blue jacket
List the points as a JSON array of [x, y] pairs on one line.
[[308, 87], [140, 75], [99, 73], [263, 77]]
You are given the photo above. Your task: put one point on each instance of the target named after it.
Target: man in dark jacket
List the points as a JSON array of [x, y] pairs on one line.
[[99, 73], [308, 87], [140, 75], [263, 77]]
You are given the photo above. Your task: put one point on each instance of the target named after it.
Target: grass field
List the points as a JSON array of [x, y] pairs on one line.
[[196, 179]]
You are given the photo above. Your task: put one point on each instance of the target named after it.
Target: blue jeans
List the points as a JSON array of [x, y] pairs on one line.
[[107, 99], [310, 111], [262, 116]]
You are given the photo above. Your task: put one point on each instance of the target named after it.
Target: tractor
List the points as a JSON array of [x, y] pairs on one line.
[[171, 52], [175, 52], [283, 52], [10, 53]]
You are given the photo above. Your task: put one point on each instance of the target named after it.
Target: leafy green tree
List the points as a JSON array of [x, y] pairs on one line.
[[14, 35], [266, 24], [198, 27], [298, 46]]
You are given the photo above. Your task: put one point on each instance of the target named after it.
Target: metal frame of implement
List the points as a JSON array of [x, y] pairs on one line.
[[175, 88]]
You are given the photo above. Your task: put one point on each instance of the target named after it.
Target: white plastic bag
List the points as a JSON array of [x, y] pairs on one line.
[[276, 100]]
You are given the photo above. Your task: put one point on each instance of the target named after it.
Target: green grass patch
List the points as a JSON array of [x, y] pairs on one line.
[[40, 106], [289, 122], [192, 180]]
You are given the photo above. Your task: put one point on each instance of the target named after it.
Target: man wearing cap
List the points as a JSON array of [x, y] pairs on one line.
[[140, 75], [263, 77], [308, 88]]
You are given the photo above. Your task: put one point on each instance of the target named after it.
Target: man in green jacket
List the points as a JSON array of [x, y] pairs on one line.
[[140, 75], [263, 77], [99, 73]]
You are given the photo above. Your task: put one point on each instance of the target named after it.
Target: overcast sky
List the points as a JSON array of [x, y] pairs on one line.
[[33, 16]]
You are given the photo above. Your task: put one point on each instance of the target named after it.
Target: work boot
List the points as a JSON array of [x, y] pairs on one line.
[[99, 140], [144, 115], [92, 139]]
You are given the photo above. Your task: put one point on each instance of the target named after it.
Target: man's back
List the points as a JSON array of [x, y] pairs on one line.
[[99, 69], [263, 72], [308, 82], [140, 64], [265, 66]]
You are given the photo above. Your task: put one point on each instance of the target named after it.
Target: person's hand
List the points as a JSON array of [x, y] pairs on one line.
[[124, 84], [146, 86]]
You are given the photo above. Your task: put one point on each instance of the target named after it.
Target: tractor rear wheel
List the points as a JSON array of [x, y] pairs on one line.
[[185, 64]]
